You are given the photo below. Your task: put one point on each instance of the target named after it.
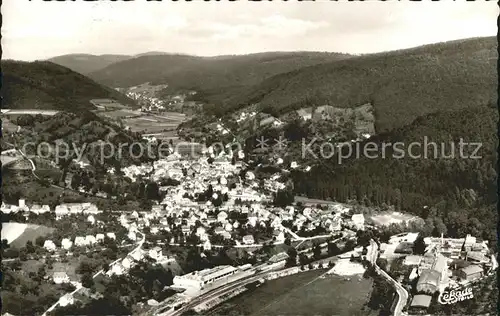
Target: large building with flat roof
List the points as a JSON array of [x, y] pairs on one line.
[[199, 279], [420, 302], [471, 273]]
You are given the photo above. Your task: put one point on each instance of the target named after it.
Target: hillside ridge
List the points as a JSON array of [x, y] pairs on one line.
[[46, 85]]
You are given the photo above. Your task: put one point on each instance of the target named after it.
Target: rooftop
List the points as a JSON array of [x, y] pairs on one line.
[[209, 273], [440, 264], [421, 301], [429, 277], [60, 274], [413, 260], [472, 269]]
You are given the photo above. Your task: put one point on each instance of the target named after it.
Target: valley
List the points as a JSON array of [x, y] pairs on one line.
[[170, 184]]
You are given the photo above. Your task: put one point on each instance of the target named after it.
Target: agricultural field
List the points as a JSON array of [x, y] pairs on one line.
[[108, 104], [147, 88], [307, 293], [17, 234], [117, 114], [387, 218], [152, 123], [305, 200]]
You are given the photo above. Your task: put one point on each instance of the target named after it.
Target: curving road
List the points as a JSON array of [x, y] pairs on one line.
[[400, 290]]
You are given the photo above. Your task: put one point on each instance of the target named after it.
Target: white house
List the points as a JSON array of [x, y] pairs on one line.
[[127, 263], [132, 235], [133, 227], [75, 208], [336, 224], [111, 235], [191, 221], [99, 237], [61, 210], [66, 300], [358, 220], [90, 240], [222, 216], [200, 231], [60, 277], [280, 237], [276, 223], [225, 234], [156, 253], [117, 269], [248, 240], [66, 243], [80, 241], [49, 245], [137, 255], [307, 212], [185, 229], [91, 219], [252, 220], [207, 245], [37, 209]]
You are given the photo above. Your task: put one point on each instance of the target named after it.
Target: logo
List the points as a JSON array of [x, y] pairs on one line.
[[454, 296]]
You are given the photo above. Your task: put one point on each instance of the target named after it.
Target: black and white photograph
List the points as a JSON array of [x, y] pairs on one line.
[[249, 158]]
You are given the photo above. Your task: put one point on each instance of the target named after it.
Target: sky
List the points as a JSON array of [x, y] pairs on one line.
[[38, 30]]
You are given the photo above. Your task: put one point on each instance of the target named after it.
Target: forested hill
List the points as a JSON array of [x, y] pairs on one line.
[[209, 75], [45, 85], [401, 85], [464, 189], [86, 63]]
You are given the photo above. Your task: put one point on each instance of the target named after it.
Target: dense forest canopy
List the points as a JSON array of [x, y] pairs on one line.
[[45, 85], [462, 189], [401, 85]]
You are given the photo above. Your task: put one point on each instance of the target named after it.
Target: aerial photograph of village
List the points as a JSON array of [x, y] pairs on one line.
[[249, 159]]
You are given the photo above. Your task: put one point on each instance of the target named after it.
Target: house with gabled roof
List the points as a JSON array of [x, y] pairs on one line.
[[60, 277], [99, 237], [90, 240], [49, 245], [80, 241], [66, 243]]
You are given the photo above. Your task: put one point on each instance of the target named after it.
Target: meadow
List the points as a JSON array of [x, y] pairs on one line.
[[306, 293]]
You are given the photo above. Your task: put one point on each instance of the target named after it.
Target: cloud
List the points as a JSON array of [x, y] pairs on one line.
[[36, 29], [271, 26]]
